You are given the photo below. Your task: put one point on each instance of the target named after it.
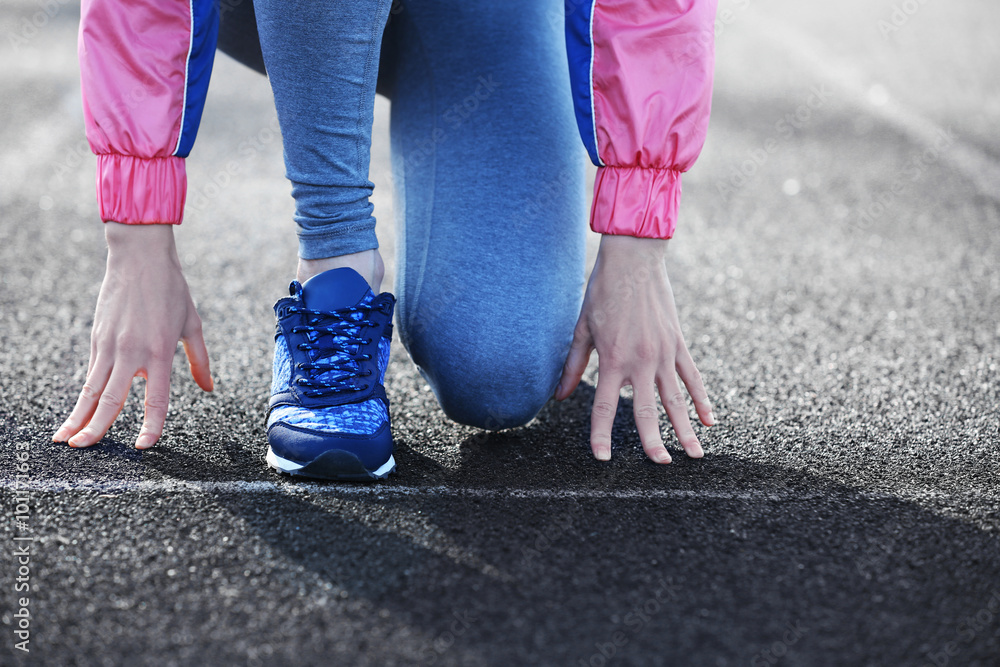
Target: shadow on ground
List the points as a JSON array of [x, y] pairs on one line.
[[765, 559]]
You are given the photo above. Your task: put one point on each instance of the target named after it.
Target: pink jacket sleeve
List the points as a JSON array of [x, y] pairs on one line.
[[144, 70], [641, 72]]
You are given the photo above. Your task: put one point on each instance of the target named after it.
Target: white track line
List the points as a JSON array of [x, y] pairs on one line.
[[384, 490], [975, 165]]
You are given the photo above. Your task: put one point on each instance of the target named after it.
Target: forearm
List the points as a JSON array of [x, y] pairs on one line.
[[641, 74], [144, 70]]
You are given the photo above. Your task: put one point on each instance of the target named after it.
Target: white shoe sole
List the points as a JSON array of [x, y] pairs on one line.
[[290, 467]]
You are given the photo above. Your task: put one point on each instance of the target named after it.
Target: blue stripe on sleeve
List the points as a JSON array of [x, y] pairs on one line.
[[580, 51], [205, 33]]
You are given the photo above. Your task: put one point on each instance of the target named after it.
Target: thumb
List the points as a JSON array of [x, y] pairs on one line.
[[576, 362], [197, 353]]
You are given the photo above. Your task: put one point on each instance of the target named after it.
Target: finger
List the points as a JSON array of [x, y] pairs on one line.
[[673, 401], [602, 415], [692, 380], [156, 404], [108, 406], [576, 362], [97, 378], [647, 420], [93, 355], [197, 354]]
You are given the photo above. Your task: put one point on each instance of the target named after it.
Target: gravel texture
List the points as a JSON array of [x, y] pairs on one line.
[[846, 512]]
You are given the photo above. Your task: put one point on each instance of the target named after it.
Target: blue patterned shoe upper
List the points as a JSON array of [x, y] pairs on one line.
[[332, 341]]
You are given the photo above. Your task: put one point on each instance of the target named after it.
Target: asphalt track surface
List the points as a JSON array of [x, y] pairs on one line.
[[845, 512]]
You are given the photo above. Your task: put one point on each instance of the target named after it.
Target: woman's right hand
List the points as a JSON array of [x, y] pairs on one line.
[[143, 310]]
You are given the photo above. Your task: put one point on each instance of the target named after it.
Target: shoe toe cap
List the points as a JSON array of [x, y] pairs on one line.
[[304, 446]]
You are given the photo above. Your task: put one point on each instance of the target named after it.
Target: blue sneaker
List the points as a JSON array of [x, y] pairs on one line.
[[329, 415]]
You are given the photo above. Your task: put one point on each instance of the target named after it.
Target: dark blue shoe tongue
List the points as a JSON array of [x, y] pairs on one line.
[[334, 289]]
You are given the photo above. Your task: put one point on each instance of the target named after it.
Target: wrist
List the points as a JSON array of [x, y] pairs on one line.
[[118, 234], [633, 248], [140, 241], [630, 258]]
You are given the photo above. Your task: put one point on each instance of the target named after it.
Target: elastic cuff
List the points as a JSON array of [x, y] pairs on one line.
[[343, 238], [636, 201], [135, 191]]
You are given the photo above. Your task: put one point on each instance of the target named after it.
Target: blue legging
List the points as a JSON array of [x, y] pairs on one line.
[[488, 173]]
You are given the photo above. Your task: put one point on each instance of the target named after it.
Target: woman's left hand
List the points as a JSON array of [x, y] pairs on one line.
[[629, 317]]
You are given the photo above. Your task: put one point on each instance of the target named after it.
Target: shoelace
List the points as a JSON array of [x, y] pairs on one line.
[[345, 331]]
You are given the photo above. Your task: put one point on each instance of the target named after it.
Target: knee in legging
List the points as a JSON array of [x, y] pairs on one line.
[[487, 398], [489, 386]]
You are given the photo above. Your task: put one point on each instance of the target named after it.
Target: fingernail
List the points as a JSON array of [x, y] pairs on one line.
[[558, 390], [603, 456], [711, 418], [60, 435], [76, 440], [144, 441], [663, 457]]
